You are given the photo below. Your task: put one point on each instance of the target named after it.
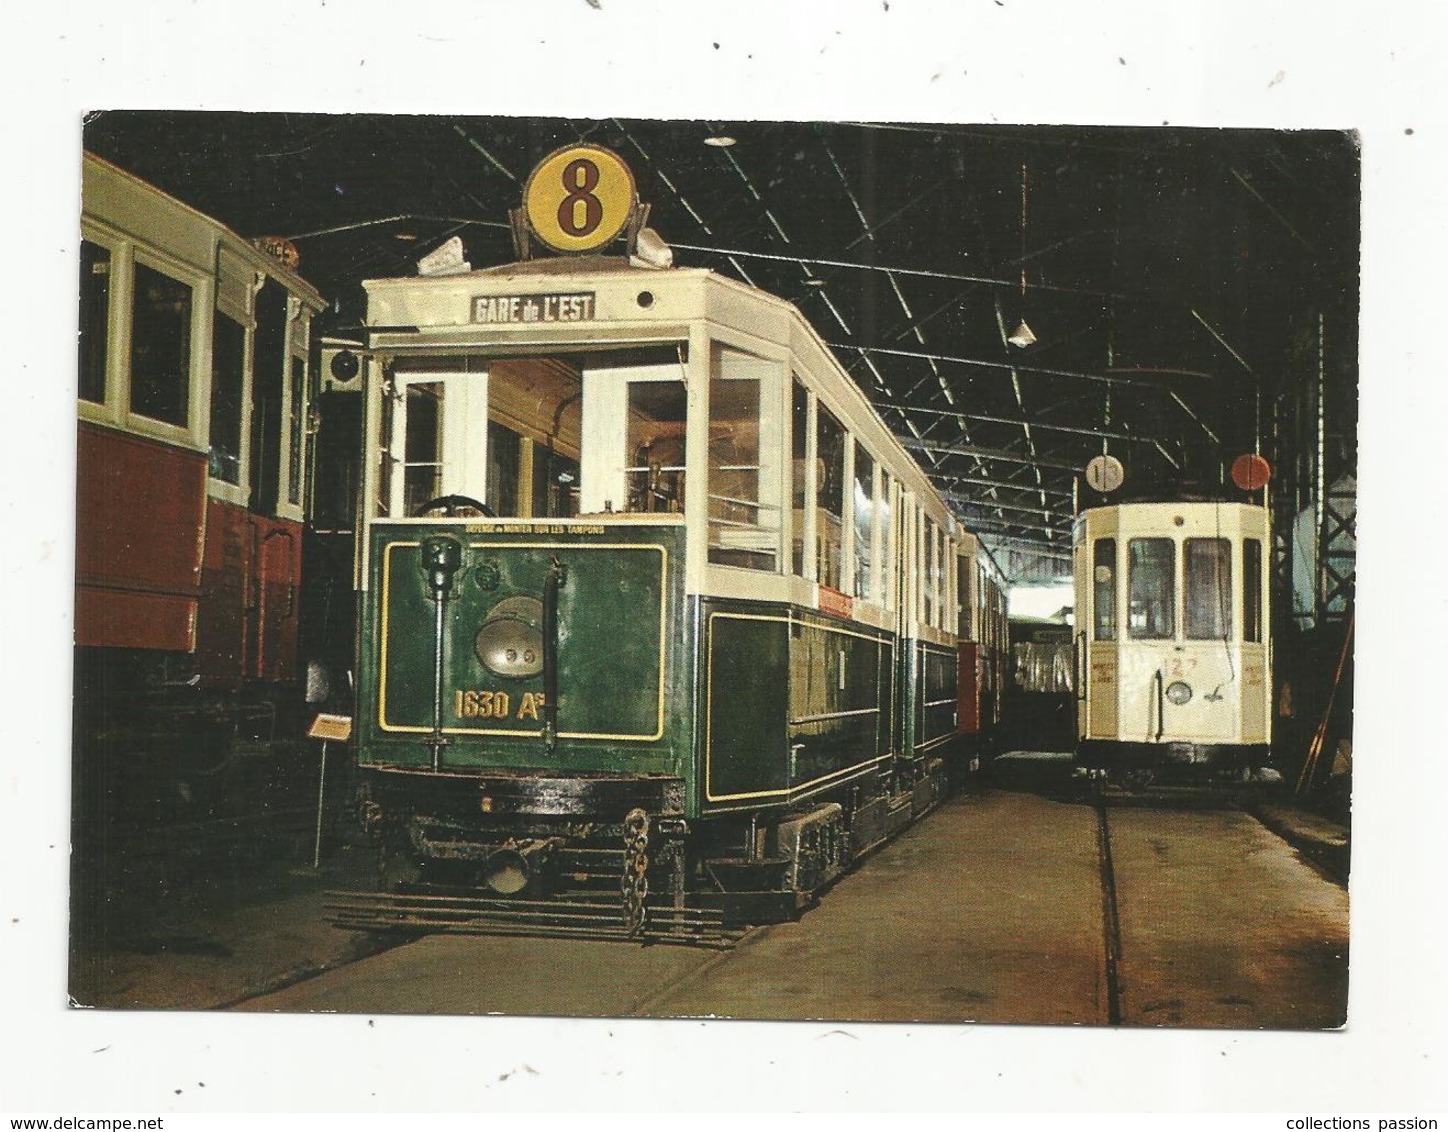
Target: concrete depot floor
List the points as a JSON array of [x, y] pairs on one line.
[[1012, 943], [989, 911], [198, 945]]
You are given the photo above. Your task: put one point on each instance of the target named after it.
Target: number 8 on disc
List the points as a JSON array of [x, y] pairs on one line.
[[579, 198]]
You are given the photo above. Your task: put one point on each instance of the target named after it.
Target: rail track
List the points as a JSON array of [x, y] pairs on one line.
[[1110, 914]]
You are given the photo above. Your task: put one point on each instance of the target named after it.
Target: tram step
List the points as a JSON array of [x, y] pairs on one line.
[[420, 911]]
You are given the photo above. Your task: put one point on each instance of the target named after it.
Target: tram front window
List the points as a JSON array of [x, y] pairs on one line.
[[422, 462], [1208, 589], [555, 484], [505, 449], [534, 425], [536, 437], [1152, 589]]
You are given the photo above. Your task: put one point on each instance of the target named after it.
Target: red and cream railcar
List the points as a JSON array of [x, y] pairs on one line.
[[194, 388], [983, 643]]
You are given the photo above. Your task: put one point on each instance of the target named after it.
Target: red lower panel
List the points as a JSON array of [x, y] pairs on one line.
[[970, 675], [116, 619], [251, 576], [139, 509]]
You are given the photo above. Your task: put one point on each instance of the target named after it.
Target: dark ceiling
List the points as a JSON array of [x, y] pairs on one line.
[[1177, 281]]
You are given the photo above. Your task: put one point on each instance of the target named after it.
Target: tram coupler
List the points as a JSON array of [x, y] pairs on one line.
[[514, 867]]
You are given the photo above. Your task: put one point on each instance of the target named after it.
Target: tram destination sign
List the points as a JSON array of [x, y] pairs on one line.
[[570, 307]]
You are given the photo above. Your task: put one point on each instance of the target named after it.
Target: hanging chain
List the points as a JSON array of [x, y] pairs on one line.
[[635, 882]]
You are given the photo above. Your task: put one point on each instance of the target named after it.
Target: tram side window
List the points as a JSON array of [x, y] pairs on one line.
[[1251, 589], [656, 417], [160, 347], [864, 522], [799, 446], [967, 583], [1208, 564], [830, 497], [743, 485], [1151, 581], [1103, 588], [931, 575], [885, 525], [228, 375], [95, 303]]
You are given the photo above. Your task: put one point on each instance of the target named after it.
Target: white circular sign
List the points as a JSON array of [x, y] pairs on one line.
[[1105, 473]]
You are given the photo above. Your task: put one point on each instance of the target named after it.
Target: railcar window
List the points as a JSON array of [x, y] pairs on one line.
[[830, 497], [228, 375], [1151, 578], [799, 449], [95, 305], [1251, 589], [744, 511], [865, 518], [1103, 588], [296, 428], [160, 347], [1208, 564], [656, 416], [505, 452]]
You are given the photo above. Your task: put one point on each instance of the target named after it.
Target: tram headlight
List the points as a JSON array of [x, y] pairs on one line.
[[510, 642], [1178, 692]]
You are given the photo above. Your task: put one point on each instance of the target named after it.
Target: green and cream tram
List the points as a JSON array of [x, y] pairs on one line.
[[637, 560]]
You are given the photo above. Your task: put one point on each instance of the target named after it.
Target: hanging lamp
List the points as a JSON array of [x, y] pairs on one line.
[[1022, 336]]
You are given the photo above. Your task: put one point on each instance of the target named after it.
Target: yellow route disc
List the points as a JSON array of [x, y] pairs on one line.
[[579, 198]]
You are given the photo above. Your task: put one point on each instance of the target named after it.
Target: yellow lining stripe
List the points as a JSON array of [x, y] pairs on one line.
[[709, 795], [402, 729]]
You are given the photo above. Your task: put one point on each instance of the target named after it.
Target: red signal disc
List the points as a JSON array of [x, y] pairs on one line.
[[1250, 471]]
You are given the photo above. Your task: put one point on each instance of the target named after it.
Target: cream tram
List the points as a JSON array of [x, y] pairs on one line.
[[1172, 640], [639, 566]]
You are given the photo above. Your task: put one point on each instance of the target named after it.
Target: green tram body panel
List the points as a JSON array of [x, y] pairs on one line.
[[622, 680], [754, 706], [794, 703], [935, 685]]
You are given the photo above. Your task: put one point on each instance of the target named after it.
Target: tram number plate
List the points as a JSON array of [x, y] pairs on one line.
[[483, 704]]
